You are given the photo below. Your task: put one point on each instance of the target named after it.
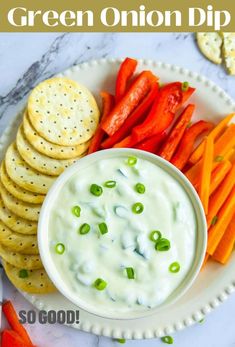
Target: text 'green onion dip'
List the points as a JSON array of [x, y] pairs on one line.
[[122, 234]]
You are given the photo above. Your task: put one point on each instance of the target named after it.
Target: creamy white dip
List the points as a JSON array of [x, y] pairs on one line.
[[91, 256]]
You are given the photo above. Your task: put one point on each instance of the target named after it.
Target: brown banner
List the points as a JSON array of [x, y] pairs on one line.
[[116, 15]]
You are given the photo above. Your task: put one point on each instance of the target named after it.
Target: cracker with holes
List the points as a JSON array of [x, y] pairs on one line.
[[26, 244], [38, 161], [17, 191], [229, 52], [30, 281], [15, 223], [24, 261], [25, 176], [50, 149], [20, 208], [210, 45], [63, 112]]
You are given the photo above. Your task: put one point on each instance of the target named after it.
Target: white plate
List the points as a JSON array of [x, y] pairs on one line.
[[215, 282]]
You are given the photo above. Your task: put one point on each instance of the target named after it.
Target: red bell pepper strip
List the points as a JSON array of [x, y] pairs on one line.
[[108, 103], [187, 143], [176, 134], [125, 72], [139, 88], [170, 98], [11, 339], [136, 117], [13, 321], [151, 144]]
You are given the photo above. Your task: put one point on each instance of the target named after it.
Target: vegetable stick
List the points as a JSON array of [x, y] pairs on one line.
[[125, 72], [220, 195], [185, 148], [218, 174], [139, 88], [223, 148], [204, 184], [225, 215], [108, 102], [176, 134], [216, 132], [226, 245], [136, 117], [13, 320]]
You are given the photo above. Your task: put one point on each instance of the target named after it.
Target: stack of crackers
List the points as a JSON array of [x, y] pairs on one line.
[[219, 48], [60, 119]]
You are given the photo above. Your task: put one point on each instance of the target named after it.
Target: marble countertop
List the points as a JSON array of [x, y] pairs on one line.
[[26, 59]]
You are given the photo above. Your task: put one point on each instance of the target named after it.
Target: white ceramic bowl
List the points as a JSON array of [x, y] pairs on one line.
[[43, 239]]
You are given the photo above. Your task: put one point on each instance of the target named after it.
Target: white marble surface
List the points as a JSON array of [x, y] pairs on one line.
[[25, 59]]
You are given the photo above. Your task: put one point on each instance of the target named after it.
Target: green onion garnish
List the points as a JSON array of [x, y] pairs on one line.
[[110, 184], [163, 245], [121, 340], [130, 273], [184, 86], [76, 210], [219, 158], [84, 229], [140, 188], [201, 320], [131, 161], [60, 248], [138, 208], [174, 267], [155, 235], [100, 284], [168, 339], [96, 190], [23, 273], [103, 228], [214, 220]]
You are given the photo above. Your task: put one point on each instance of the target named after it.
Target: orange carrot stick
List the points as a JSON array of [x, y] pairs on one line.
[[225, 247], [205, 179], [13, 321], [218, 174], [223, 147], [224, 216], [220, 195], [216, 132]]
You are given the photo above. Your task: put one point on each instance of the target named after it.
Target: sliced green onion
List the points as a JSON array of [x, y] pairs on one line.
[[60, 248], [214, 220], [174, 267], [121, 340], [23, 273], [163, 245], [184, 86], [131, 161], [130, 273], [201, 320], [96, 190], [138, 208], [219, 158], [100, 284], [110, 184], [103, 228], [84, 229], [168, 339], [155, 235], [76, 210], [140, 188]]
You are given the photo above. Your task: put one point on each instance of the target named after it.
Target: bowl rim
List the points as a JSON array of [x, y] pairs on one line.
[[200, 221]]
